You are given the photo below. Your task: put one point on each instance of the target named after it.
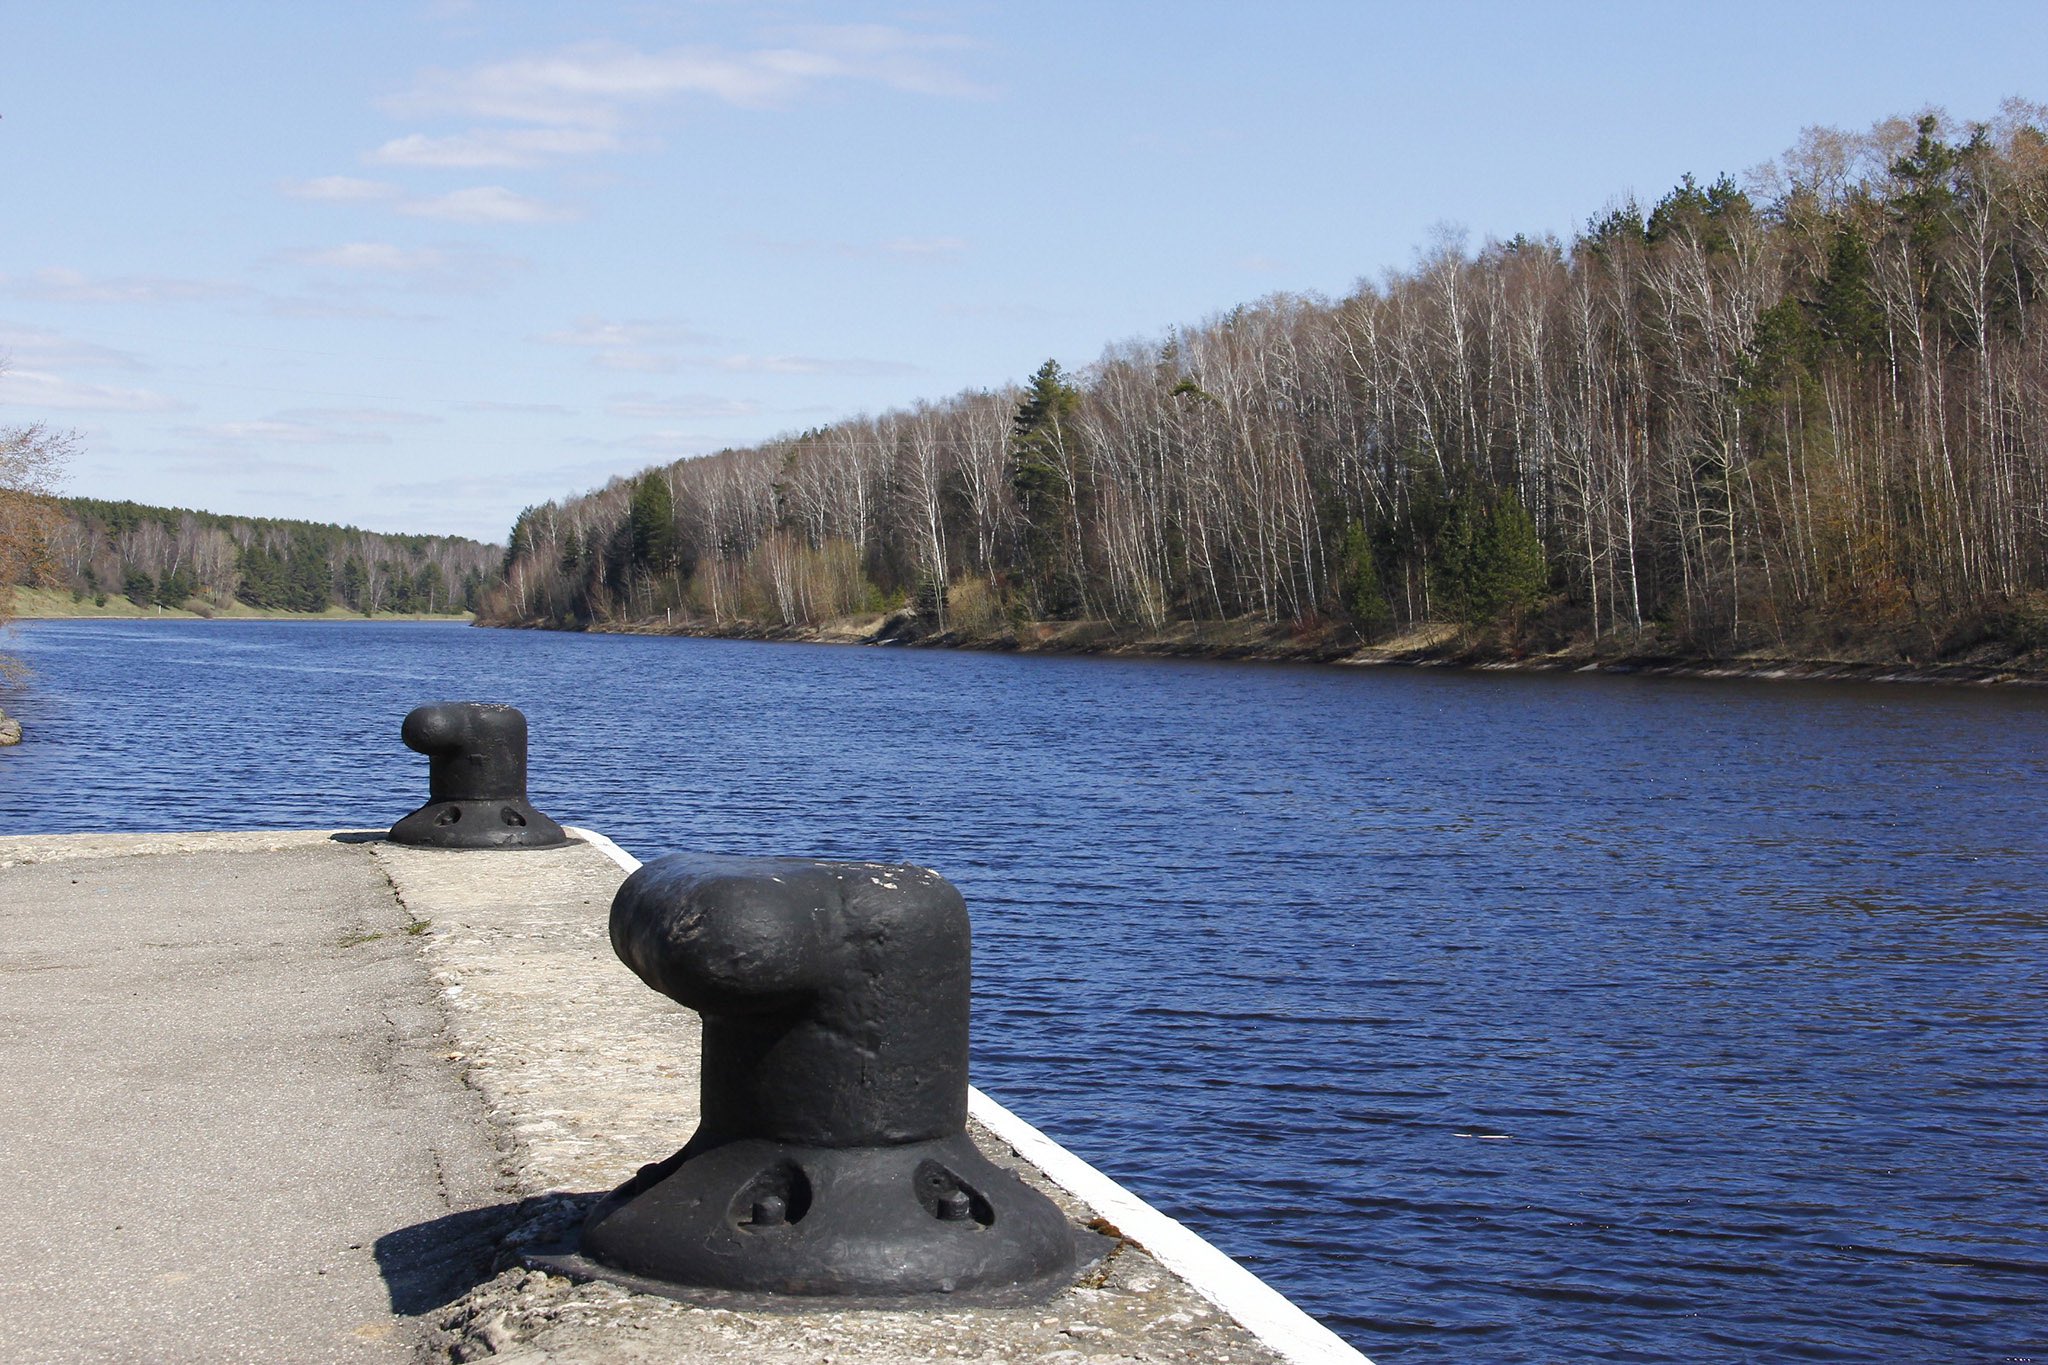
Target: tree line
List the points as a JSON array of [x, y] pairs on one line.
[[175, 557], [1810, 408]]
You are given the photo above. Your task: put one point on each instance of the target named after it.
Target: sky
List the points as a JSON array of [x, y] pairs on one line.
[[413, 266]]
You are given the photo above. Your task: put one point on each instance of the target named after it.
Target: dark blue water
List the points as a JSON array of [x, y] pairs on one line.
[[1492, 1018]]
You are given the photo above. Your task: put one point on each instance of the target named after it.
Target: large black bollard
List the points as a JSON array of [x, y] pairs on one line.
[[832, 1157], [476, 780]]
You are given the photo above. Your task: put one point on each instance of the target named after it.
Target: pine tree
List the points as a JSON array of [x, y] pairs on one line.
[[1358, 580], [653, 519], [1041, 462]]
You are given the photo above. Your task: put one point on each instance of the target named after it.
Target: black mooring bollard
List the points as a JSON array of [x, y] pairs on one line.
[[832, 1157], [476, 780]]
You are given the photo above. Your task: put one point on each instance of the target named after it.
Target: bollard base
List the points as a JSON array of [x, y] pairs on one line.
[[760, 1224], [478, 824]]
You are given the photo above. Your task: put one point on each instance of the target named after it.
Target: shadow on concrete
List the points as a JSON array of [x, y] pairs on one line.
[[430, 1265], [359, 836]]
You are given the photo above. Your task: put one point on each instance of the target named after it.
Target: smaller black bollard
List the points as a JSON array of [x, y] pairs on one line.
[[831, 1158], [476, 780]]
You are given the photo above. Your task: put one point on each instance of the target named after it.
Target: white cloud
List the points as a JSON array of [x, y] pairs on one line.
[[242, 466], [60, 284], [41, 389], [806, 364], [688, 406], [535, 409], [484, 204], [668, 443], [40, 350], [271, 431], [379, 257], [636, 362], [498, 148], [909, 248], [340, 189], [641, 346], [598, 332], [361, 417], [445, 270], [928, 248], [574, 101]]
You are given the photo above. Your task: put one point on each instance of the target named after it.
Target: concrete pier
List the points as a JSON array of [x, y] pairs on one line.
[[311, 1096]]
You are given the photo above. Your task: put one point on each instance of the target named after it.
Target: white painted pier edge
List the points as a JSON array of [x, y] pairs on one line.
[[1255, 1305]]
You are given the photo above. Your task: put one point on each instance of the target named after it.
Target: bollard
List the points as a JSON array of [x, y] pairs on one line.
[[831, 1158], [476, 780]]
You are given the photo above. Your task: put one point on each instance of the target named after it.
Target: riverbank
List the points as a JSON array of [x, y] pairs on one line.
[[51, 604], [1435, 646]]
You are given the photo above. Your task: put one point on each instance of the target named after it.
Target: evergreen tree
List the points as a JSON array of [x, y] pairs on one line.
[[1358, 582], [308, 585], [1040, 461], [1490, 561], [1846, 313], [428, 588], [653, 522], [261, 574], [355, 585]]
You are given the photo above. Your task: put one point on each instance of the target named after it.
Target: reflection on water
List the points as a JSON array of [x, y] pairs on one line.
[[1493, 1018]]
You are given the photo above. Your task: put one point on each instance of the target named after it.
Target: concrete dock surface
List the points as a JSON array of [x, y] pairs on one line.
[[312, 1097]]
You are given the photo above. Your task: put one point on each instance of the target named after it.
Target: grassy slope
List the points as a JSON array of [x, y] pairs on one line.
[[48, 603]]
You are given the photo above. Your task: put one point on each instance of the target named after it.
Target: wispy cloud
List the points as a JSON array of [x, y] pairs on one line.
[[595, 331], [532, 409], [576, 100], [492, 148], [484, 204], [60, 284], [670, 444], [450, 270], [641, 346], [244, 465], [683, 408], [382, 258], [902, 248], [361, 417], [272, 431], [809, 364], [42, 389], [340, 189], [41, 350]]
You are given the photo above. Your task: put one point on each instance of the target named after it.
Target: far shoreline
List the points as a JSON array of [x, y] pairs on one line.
[[46, 604], [1440, 647]]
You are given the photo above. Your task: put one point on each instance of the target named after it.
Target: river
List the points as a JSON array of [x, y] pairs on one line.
[[1491, 1017]]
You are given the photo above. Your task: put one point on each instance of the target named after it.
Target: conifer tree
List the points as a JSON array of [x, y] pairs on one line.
[[1041, 475]]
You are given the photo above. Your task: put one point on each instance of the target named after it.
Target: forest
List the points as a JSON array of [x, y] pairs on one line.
[[172, 557], [1798, 412]]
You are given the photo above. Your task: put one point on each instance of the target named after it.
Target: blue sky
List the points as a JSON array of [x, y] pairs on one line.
[[416, 265]]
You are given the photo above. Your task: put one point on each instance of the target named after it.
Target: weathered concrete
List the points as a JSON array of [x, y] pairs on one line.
[[594, 1075], [232, 1096], [222, 1082]]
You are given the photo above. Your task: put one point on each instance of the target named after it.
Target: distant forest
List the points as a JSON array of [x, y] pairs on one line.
[[168, 556], [1808, 408]]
